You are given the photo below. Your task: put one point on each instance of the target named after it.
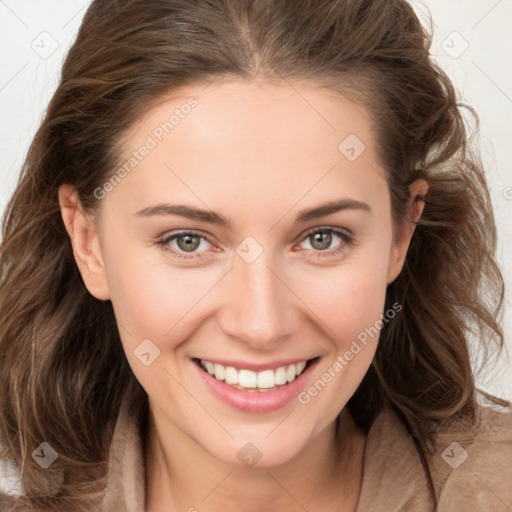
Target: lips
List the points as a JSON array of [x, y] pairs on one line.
[[244, 378], [255, 399]]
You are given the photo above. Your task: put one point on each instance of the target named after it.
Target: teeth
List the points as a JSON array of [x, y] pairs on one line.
[[220, 372], [266, 379], [291, 371], [231, 375], [281, 376], [247, 379]]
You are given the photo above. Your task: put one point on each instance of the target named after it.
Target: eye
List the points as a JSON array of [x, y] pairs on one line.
[[321, 239], [187, 242]]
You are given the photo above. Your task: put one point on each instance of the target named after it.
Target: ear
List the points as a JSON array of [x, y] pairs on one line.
[[85, 242], [417, 192]]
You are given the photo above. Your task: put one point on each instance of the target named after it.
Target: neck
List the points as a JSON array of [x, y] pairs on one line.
[[326, 475]]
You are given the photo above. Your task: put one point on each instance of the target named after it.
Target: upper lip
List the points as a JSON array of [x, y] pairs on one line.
[[256, 367]]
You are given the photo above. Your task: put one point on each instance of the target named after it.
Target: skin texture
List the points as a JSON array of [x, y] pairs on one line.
[[257, 153]]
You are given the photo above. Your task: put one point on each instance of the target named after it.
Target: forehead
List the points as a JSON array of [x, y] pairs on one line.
[[277, 114], [251, 141]]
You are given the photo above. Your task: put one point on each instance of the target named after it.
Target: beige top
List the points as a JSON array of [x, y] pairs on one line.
[[471, 469]]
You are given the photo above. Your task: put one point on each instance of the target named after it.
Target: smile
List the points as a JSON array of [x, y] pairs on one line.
[[246, 380], [253, 387]]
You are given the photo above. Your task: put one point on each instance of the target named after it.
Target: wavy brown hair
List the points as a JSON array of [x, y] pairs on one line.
[[63, 373]]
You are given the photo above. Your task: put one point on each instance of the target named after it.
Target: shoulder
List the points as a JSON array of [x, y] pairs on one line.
[[471, 466]]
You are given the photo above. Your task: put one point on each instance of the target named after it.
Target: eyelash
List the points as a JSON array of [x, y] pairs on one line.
[[347, 239]]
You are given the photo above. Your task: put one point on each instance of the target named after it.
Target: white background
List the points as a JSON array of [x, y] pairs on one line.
[[472, 42]]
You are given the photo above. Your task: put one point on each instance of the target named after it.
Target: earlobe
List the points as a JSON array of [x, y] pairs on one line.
[[418, 191], [84, 241]]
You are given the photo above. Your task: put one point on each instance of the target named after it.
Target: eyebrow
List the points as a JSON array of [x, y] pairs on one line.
[[211, 217]]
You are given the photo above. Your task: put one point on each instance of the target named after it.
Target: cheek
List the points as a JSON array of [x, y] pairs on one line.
[[154, 300], [350, 314], [349, 306], [349, 299], [155, 308]]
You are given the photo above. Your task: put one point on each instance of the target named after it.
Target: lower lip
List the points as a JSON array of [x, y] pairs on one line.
[[256, 401]]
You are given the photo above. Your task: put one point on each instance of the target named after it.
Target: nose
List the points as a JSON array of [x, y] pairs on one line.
[[260, 307]]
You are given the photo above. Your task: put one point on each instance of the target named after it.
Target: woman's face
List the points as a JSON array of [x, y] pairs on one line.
[[269, 287]]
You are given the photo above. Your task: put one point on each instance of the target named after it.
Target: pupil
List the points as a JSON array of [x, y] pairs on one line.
[[188, 245], [318, 237]]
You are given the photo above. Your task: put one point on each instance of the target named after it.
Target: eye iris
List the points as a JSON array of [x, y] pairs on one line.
[[323, 238], [188, 246]]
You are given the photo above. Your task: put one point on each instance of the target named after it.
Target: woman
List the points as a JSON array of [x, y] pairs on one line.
[[241, 267]]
